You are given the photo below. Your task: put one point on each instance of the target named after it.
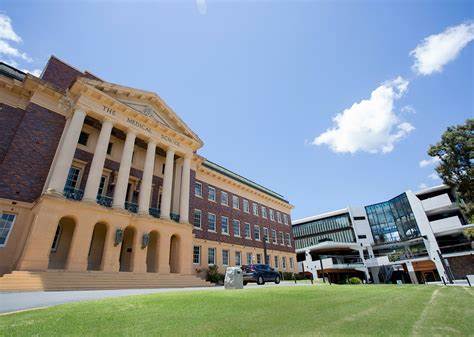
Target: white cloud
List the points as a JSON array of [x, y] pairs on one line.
[[435, 51], [370, 125], [6, 29], [201, 6], [8, 53], [431, 161], [34, 72], [8, 50], [422, 186], [434, 176], [408, 109]]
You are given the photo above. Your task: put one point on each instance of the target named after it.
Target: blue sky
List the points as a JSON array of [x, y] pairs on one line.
[[259, 81]]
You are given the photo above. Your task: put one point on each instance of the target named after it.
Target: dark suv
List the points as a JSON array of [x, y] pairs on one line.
[[260, 273]]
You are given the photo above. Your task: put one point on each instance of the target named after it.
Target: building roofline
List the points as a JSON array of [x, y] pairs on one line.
[[433, 189], [218, 168], [320, 216]]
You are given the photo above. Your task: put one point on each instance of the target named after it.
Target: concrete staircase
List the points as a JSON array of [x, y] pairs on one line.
[[92, 280]]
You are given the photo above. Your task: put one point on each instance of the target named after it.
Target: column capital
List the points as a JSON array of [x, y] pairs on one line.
[[108, 120], [170, 150]]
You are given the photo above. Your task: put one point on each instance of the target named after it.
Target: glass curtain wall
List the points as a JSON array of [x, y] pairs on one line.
[[392, 221]]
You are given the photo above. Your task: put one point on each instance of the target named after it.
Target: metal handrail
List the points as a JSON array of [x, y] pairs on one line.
[[104, 200], [155, 212], [73, 193], [132, 207]]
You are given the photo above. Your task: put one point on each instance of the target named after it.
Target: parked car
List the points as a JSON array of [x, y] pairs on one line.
[[260, 273]]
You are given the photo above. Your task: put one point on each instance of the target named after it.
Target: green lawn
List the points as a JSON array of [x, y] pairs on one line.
[[377, 310]]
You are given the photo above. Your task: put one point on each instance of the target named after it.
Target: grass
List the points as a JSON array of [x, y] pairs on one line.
[[378, 310]]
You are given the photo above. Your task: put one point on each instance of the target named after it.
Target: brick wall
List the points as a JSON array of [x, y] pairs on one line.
[[462, 266], [219, 210], [30, 152], [10, 119]]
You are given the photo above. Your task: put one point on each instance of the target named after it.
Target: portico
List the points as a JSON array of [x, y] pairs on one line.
[[86, 229]]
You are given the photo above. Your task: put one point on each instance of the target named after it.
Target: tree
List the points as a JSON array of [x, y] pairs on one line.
[[456, 154]]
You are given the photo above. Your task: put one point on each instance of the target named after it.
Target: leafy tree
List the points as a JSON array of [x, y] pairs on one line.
[[456, 152]]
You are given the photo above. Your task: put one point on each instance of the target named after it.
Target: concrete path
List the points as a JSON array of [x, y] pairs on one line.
[[11, 302]]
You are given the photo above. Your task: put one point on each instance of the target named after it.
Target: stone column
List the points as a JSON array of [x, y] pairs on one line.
[[97, 165], [139, 256], [111, 253], [66, 153], [184, 194], [164, 253], [79, 249], [37, 248], [167, 185], [124, 171], [145, 187]]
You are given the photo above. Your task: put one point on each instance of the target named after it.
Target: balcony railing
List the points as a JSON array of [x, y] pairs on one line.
[[73, 193], [155, 212], [131, 207], [174, 217], [104, 200]]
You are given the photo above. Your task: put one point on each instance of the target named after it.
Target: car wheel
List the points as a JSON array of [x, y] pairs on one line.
[[277, 280], [260, 280], [245, 283]]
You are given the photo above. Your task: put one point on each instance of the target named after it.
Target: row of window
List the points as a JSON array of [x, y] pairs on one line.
[[345, 235], [249, 258], [322, 225], [284, 238], [224, 200]]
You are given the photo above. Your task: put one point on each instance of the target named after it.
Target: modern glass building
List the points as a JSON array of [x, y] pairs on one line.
[[334, 228], [393, 220]]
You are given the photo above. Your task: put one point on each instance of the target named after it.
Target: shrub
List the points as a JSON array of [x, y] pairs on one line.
[[213, 275], [354, 280]]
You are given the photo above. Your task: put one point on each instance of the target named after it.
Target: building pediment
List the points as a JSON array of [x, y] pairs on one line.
[[148, 104]]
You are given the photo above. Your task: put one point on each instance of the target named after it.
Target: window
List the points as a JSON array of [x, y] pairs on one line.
[[255, 209], [276, 261], [225, 257], [265, 234], [83, 138], [211, 222], [73, 177], [248, 234], [291, 263], [102, 186], [236, 227], [359, 218], [362, 236], [211, 194], [198, 189], [238, 258], [274, 237], [197, 254], [6, 225], [163, 169], [235, 202], [256, 232], [259, 258], [264, 212], [246, 206], [283, 262], [278, 217], [197, 218], [272, 215], [282, 238], [225, 225], [224, 198], [109, 148], [57, 235], [211, 256], [288, 240], [249, 258], [285, 219]]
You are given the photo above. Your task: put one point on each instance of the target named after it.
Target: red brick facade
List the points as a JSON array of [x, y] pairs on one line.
[[27, 150], [206, 206]]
